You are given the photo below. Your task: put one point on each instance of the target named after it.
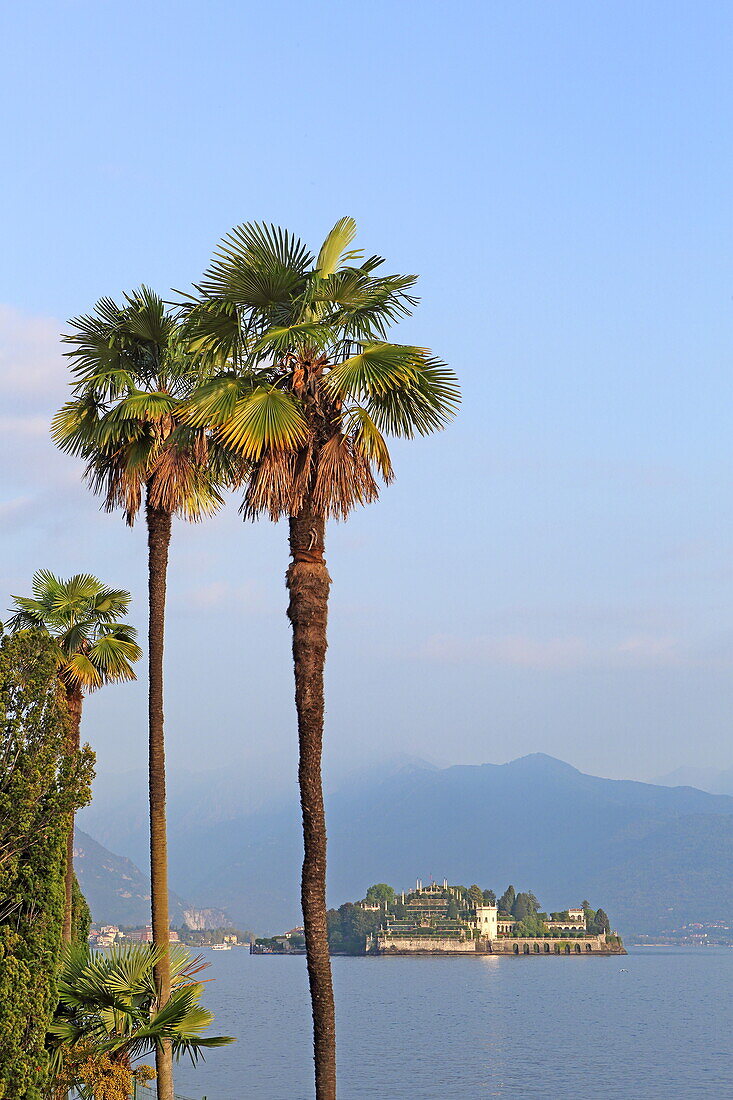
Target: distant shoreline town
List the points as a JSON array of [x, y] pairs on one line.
[[438, 919]]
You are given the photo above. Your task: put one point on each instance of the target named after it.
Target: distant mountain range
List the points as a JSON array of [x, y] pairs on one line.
[[653, 856], [712, 780]]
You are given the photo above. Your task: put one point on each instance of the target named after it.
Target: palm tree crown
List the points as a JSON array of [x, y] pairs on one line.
[[109, 1004], [302, 380], [82, 616], [132, 373]]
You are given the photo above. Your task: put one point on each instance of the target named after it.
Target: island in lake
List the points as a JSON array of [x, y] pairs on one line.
[[439, 919]]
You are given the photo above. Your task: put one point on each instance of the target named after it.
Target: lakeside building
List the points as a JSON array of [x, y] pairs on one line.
[[145, 935]]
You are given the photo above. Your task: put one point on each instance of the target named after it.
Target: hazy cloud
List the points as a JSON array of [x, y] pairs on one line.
[[33, 384], [219, 596], [552, 654], [32, 366]]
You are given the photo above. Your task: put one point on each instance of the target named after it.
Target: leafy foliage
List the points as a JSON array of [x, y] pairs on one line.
[[40, 785], [348, 927], [380, 892], [525, 905], [81, 917]]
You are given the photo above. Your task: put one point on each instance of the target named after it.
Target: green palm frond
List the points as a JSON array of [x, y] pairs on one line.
[[111, 602], [257, 266], [212, 333], [284, 339], [267, 419], [146, 317], [76, 638], [28, 614], [266, 247], [141, 406], [376, 369], [74, 427], [214, 401], [426, 404], [80, 672], [333, 250], [114, 655]]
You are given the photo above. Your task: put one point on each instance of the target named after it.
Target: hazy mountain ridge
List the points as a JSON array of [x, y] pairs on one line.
[[648, 854], [116, 889], [712, 780]]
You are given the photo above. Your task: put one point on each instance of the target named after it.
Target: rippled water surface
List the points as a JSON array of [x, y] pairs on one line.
[[477, 1027]]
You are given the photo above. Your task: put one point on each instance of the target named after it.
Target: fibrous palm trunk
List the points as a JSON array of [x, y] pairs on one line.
[[159, 534], [308, 584], [74, 700]]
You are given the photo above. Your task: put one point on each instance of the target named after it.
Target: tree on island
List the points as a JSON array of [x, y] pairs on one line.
[[348, 927], [600, 925], [506, 901], [525, 905], [475, 895], [305, 386], [379, 893]]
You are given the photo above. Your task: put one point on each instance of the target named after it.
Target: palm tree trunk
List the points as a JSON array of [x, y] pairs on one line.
[[308, 583], [74, 700], [159, 535]]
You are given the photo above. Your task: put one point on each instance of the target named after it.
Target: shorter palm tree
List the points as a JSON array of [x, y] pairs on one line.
[[109, 1015], [133, 374], [93, 647]]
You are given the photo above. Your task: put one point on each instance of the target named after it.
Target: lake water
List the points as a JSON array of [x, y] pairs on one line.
[[477, 1027]]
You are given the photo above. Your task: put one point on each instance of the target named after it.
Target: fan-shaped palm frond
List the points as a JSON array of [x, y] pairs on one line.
[[108, 1004], [267, 419]]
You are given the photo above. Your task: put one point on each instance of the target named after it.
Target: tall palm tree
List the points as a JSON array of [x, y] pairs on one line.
[[310, 389], [109, 1012], [92, 646], [132, 374]]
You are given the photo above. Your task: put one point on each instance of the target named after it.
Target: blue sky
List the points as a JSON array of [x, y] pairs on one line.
[[553, 573]]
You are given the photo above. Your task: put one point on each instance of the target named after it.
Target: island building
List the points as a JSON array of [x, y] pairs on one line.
[[574, 922], [434, 919]]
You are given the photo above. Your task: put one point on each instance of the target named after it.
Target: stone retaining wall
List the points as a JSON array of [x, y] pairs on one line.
[[505, 945], [584, 945], [423, 945]]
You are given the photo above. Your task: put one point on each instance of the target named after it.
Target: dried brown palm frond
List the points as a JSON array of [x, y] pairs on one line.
[[343, 478]]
